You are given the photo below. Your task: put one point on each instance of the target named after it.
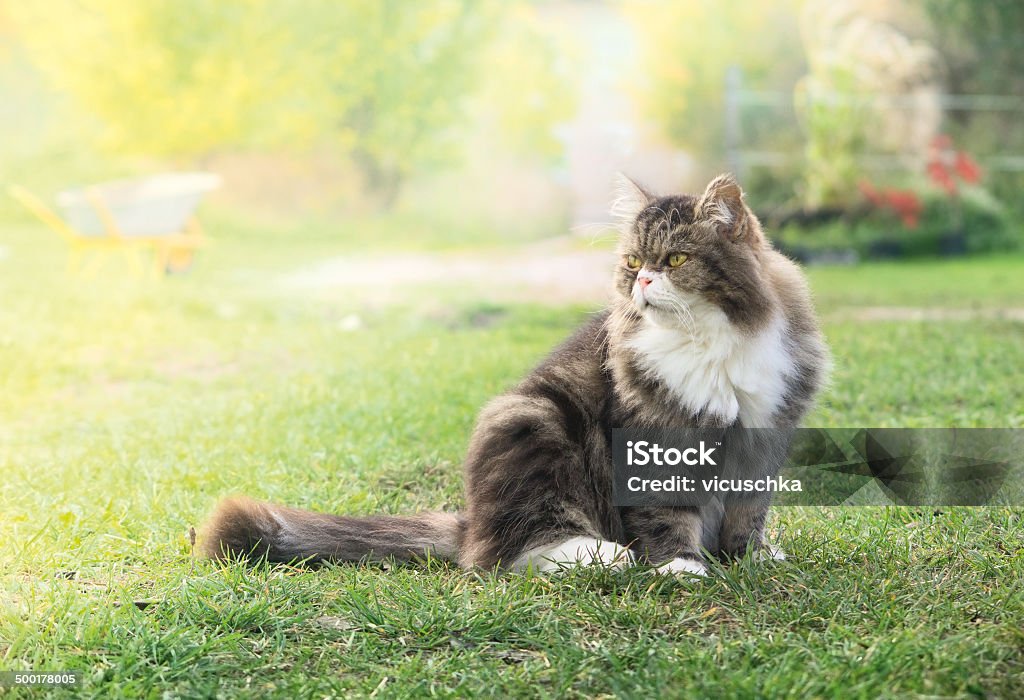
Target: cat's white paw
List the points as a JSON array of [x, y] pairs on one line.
[[769, 552], [577, 551], [683, 565]]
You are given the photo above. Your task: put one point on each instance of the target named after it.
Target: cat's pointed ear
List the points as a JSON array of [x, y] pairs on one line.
[[722, 205], [628, 201]]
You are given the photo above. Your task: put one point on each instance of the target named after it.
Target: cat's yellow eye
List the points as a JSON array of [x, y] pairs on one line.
[[633, 262], [677, 259]]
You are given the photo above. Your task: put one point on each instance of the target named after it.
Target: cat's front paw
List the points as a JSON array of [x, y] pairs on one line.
[[683, 566], [769, 552]]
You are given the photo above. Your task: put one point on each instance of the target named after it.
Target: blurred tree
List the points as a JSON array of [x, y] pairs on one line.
[[870, 90], [398, 75], [529, 86], [163, 77], [686, 49], [387, 81], [982, 44]]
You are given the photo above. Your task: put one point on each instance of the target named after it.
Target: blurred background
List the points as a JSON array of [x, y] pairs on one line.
[[859, 128]]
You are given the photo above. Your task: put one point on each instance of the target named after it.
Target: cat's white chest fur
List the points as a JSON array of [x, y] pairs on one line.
[[715, 367]]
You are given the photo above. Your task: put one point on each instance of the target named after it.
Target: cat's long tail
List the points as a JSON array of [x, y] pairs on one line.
[[253, 531]]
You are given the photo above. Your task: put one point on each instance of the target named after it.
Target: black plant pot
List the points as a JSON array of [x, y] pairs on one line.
[[885, 249], [819, 256], [953, 243]]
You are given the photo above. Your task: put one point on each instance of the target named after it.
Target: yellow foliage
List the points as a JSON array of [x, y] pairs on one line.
[[150, 71], [686, 49], [529, 86], [385, 80]]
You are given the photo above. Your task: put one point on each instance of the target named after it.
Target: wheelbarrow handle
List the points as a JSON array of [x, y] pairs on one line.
[[44, 213]]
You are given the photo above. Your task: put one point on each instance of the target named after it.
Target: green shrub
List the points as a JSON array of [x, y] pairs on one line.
[[984, 226]]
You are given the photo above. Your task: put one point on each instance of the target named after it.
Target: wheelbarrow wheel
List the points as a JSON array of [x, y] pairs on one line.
[[179, 260]]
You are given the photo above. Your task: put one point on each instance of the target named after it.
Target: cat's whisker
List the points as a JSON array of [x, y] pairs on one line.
[[685, 318], [600, 240], [687, 323], [599, 225], [686, 309]]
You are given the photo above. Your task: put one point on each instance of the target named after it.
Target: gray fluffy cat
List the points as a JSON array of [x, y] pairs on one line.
[[711, 327]]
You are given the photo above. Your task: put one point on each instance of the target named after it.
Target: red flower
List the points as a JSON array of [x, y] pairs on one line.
[[904, 203], [941, 176], [869, 192], [946, 165], [967, 168]]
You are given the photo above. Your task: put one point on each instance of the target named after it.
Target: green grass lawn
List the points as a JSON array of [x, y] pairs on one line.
[[128, 408]]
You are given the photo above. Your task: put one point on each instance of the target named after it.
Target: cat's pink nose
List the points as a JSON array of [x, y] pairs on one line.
[[644, 281]]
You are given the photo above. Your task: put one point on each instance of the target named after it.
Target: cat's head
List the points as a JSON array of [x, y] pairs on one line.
[[682, 256]]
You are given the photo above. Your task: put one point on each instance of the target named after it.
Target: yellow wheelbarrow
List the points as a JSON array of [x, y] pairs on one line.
[[148, 215]]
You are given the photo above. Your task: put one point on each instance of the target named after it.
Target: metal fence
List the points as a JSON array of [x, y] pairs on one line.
[[743, 152]]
